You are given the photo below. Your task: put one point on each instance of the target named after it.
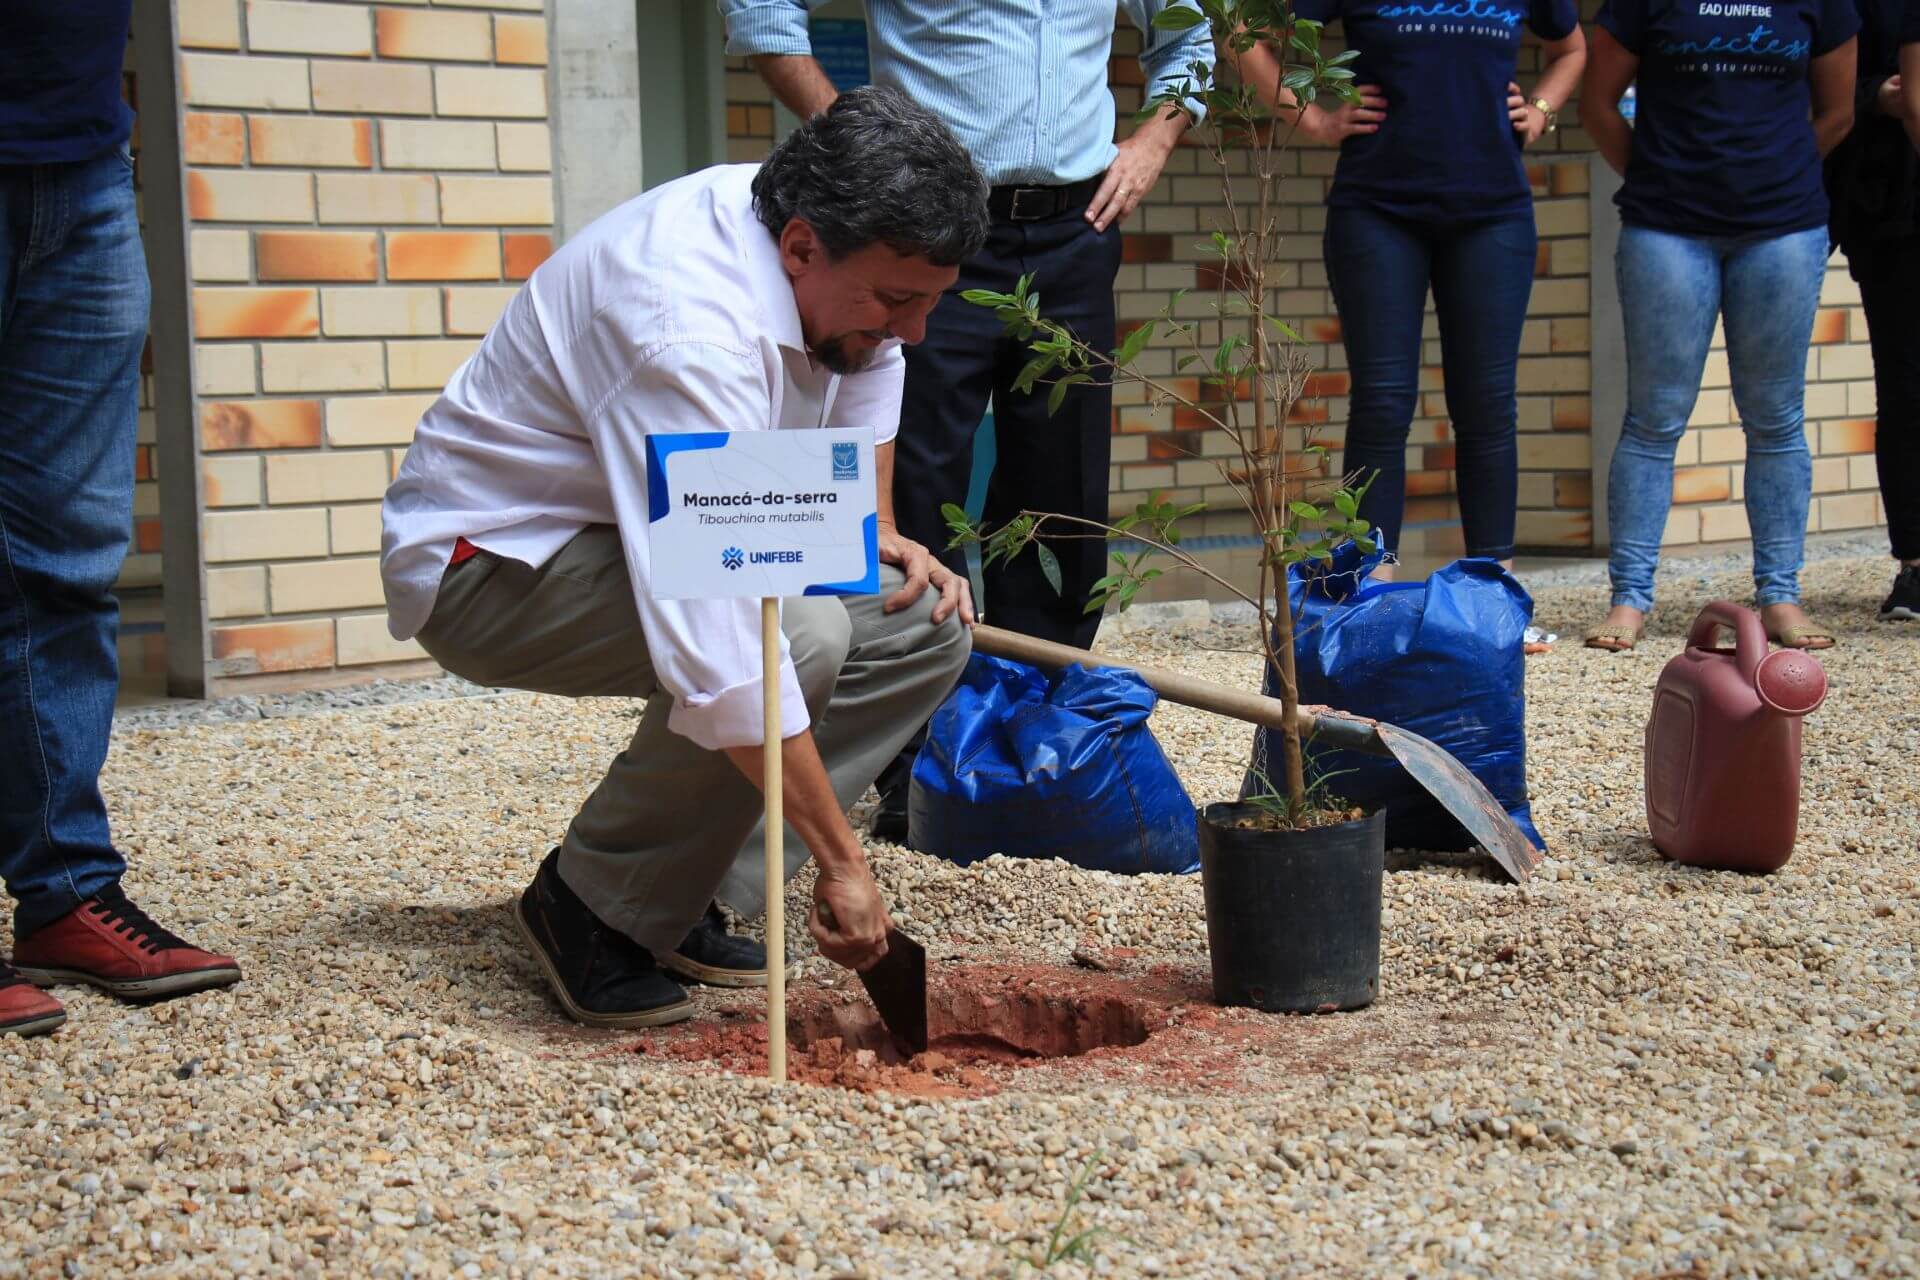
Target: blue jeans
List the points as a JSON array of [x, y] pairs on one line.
[[73, 320], [1379, 267], [1672, 287]]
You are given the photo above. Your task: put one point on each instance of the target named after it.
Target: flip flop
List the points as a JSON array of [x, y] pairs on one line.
[[1626, 637], [1809, 637]]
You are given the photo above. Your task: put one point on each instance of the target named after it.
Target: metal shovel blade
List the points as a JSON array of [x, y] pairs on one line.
[[1465, 797], [897, 985]]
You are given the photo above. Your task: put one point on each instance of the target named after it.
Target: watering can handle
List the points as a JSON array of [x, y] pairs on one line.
[[1749, 637]]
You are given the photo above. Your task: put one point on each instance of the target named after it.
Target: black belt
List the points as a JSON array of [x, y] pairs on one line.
[[1030, 204]]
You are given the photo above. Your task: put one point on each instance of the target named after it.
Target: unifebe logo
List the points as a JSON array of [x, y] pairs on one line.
[[846, 461], [732, 558]]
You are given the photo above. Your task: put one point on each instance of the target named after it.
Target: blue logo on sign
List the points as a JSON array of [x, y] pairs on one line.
[[732, 558], [846, 462]]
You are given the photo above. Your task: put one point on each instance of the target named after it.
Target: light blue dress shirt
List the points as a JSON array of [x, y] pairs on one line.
[[1023, 83]]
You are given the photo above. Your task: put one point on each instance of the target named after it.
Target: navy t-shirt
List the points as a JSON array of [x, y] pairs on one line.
[[1910, 24], [1447, 150], [60, 79], [1723, 139]]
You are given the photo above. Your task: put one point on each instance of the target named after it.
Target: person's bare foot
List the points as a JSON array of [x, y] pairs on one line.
[[1620, 630], [1788, 626]]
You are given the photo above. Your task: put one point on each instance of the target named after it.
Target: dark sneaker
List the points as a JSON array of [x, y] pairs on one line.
[[109, 943], [26, 1010], [1903, 602], [889, 821], [711, 955], [600, 976]]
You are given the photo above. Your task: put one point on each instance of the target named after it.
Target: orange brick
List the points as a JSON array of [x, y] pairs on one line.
[[214, 138], [249, 197], [1326, 331], [445, 37], [1139, 247], [259, 424], [520, 40], [443, 255], [272, 646], [311, 141], [1850, 435], [255, 313], [1570, 179], [1573, 489], [1830, 326], [1543, 259], [1702, 484], [1426, 484], [736, 120], [524, 253], [317, 255], [1572, 413], [1320, 385]]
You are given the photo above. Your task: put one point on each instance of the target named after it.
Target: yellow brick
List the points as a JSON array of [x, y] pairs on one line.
[[1572, 333], [1712, 408], [1571, 257], [1828, 400], [1718, 371], [1839, 289], [311, 141], [377, 88], [425, 364], [1683, 527], [325, 584], [377, 198], [438, 144], [218, 80], [1558, 451], [533, 5], [488, 202], [1844, 363], [364, 639], [322, 366], [1554, 373], [223, 369], [1862, 400], [208, 24], [241, 196], [230, 482], [1553, 529], [1560, 217], [473, 310], [379, 313], [1559, 297], [490, 91], [441, 37], [1723, 444], [220, 255], [307, 476], [236, 593], [356, 529], [1723, 524], [1848, 511], [1862, 473], [264, 535], [295, 26], [363, 420], [525, 148]]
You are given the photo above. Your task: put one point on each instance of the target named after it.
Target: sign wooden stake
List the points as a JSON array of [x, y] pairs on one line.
[[775, 846]]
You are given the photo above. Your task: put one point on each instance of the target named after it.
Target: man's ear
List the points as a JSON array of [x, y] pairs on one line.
[[800, 248]]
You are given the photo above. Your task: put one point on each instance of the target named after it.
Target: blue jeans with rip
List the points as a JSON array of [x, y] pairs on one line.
[[1672, 288], [1379, 267], [73, 320]]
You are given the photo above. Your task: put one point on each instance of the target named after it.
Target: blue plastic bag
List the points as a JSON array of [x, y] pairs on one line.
[[1442, 658], [1067, 769]]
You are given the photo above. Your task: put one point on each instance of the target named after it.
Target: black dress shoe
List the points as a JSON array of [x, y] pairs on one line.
[[600, 976], [889, 822], [711, 955]]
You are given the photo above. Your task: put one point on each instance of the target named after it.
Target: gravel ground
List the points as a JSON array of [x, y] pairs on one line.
[[1625, 1068]]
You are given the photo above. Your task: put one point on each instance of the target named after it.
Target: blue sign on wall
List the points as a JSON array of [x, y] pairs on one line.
[[840, 47]]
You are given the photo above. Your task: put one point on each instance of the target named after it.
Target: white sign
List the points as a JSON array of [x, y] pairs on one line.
[[762, 513]]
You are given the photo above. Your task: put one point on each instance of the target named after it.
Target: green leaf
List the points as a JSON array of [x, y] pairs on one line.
[[1286, 330], [1058, 396], [1133, 344], [1305, 510], [1345, 503], [1032, 372], [1365, 545], [1177, 17], [1050, 563]]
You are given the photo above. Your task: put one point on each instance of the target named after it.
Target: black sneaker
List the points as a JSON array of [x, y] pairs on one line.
[[711, 955], [889, 822], [1903, 602], [600, 976]]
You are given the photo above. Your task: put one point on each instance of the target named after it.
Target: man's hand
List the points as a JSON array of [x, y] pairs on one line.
[[1891, 101], [1134, 171], [1346, 120], [848, 919], [1529, 121], [924, 571]]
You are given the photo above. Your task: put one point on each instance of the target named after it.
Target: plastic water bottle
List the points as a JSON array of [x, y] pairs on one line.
[[1627, 105]]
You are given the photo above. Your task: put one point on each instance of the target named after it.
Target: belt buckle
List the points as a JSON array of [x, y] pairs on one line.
[[1038, 194]]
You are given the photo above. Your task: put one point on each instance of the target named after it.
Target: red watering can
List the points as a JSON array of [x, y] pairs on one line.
[[1723, 745]]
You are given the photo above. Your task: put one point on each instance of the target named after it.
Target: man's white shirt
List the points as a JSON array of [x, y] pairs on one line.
[[672, 313]]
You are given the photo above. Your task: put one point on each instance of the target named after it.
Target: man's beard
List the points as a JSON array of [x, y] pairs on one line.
[[839, 356]]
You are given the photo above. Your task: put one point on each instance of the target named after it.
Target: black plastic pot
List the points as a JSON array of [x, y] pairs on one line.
[[1293, 917]]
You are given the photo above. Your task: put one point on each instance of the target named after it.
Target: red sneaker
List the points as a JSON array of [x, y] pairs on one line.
[[117, 947], [25, 1010]]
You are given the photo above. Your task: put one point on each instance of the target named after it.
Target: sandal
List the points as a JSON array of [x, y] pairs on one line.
[[1611, 637], [1808, 637]]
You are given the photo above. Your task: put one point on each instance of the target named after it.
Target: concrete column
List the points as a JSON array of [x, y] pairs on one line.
[[1609, 338], [594, 103]]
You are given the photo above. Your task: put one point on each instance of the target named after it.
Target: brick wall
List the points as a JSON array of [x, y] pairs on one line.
[[1161, 448], [365, 185]]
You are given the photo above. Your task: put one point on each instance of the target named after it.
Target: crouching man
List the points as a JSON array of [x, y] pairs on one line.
[[515, 545]]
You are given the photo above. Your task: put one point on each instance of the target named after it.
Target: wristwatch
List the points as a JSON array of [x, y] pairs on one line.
[[1547, 110]]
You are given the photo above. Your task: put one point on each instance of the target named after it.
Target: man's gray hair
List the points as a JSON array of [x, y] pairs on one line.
[[876, 167]]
